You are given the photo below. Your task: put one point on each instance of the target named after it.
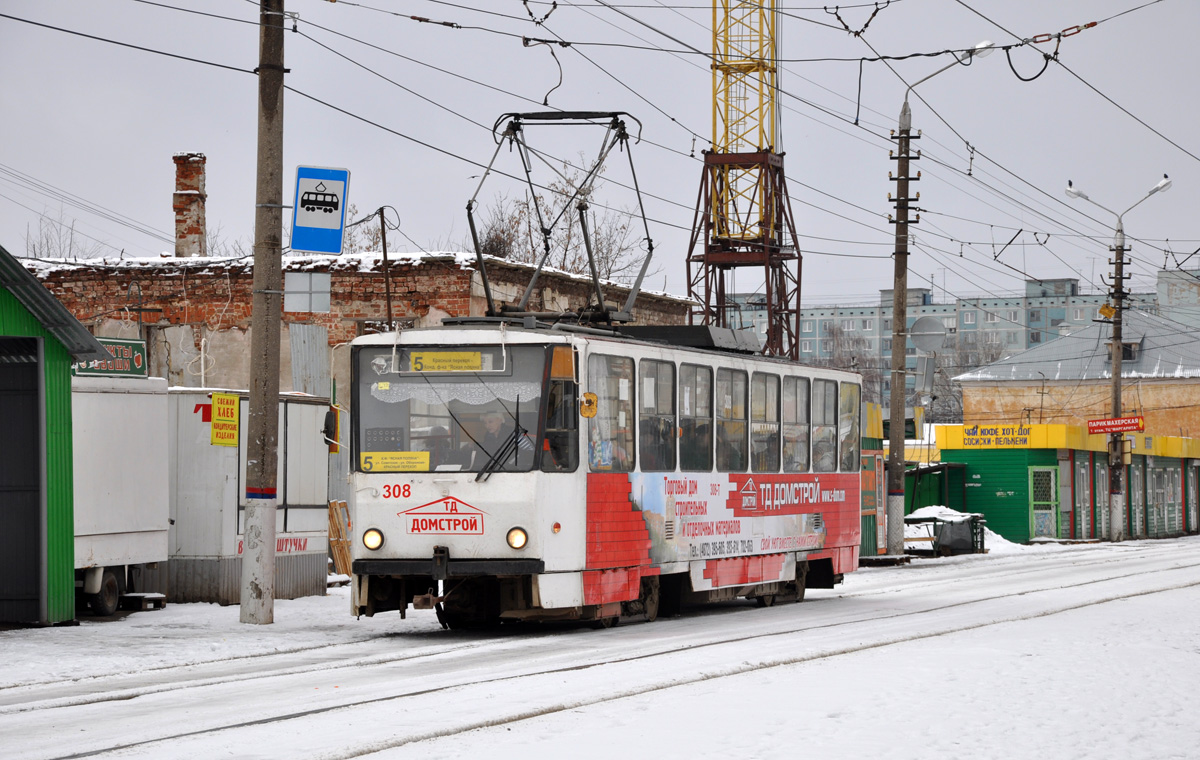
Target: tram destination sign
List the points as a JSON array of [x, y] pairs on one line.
[[1117, 425]]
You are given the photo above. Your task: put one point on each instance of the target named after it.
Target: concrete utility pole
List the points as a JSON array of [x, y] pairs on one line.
[[1116, 441], [258, 557], [387, 269], [895, 475], [895, 469]]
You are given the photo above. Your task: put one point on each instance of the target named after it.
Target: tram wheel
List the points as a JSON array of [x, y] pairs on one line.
[[607, 622], [765, 600], [650, 598]]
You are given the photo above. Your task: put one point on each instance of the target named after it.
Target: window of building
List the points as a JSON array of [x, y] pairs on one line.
[[1011, 338], [868, 324], [826, 325], [949, 322], [991, 316], [731, 420], [885, 325], [1013, 317], [885, 344], [806, 346], [993, 338], [764, 423], [969, 338], [610, 432], [695, 418], [807, 325], [968, 317], [848, 325], [827, 346], [306, 291], [1035, 315], [795, 424], [824, 426], [656, 417], [1035, 336], [1078, 315]]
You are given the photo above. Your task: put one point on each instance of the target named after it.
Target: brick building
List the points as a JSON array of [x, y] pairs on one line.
[[195, 313]]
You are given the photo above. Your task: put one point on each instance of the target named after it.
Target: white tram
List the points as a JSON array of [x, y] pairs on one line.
[[506, 470]]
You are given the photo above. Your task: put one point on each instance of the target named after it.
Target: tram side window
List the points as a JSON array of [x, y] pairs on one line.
[[848, 440], [731, 421], [695, 419], [656, 420], [795, 424], [764, 423], [610, 432], [824, 426]]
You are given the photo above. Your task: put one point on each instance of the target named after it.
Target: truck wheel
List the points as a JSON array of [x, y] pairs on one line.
[[104, 603]]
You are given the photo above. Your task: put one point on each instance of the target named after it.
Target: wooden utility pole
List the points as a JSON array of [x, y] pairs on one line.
[[258, 556]]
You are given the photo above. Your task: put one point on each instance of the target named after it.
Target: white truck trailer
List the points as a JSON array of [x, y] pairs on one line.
[[122, 494]]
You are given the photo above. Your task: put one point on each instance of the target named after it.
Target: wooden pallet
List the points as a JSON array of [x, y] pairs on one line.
[[339, 536]]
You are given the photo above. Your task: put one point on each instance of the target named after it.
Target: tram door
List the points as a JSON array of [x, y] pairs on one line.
[[1043, 491]]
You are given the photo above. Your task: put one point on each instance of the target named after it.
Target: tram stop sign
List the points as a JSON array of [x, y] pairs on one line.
[[319, 209]]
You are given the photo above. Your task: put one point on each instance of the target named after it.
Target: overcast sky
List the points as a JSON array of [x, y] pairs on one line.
[[101, 122]]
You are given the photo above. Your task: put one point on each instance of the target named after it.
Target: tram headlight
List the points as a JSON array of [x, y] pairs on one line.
[[372, 539], [517, 538]]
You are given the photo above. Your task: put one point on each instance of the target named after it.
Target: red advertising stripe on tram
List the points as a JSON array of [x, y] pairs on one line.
[[736, 571], [764, 495]]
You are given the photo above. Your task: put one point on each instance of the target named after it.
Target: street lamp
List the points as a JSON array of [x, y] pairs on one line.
[[895, 476], [1116, 486]]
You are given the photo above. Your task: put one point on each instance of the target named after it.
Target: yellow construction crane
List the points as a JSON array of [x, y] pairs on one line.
[[743, 216]]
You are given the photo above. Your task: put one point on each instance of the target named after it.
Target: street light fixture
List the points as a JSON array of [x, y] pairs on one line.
[[895, 473], [1116, 486]]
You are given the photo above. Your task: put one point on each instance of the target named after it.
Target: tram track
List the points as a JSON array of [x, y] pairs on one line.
[[176, 678], [673, 647]]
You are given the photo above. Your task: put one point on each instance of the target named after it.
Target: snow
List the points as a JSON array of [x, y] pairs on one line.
[[1052, 651]]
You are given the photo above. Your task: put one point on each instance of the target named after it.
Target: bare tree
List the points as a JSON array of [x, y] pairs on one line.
[[58, 239], [221, 245]]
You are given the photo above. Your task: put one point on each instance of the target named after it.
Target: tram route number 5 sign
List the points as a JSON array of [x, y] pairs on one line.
[[319, 209]]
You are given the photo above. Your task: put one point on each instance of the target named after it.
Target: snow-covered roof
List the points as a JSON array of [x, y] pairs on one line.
[[1165, 349]]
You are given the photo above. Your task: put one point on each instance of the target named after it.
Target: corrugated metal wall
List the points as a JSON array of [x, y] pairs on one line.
[[219, 580], [310, 358], [998, 485], [15, 320]]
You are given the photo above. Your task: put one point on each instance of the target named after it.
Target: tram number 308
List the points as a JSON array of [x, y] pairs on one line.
[[397, 491]]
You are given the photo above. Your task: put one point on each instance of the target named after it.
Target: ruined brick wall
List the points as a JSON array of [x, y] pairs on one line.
[[197, 314]]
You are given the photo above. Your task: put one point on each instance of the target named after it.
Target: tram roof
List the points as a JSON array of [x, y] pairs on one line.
[[701, 339]]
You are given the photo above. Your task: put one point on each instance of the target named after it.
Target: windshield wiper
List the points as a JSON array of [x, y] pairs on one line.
[[506, 449]]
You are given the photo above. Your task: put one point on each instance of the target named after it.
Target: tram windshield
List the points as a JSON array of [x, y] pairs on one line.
[[458, 408]]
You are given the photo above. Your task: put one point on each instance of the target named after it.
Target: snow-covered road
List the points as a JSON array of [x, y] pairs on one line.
[[980, 655]]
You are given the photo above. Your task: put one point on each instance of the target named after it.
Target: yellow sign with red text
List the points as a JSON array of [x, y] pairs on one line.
[[225, 408]]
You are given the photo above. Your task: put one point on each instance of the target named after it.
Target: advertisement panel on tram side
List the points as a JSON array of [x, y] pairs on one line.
[[705, 516]]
